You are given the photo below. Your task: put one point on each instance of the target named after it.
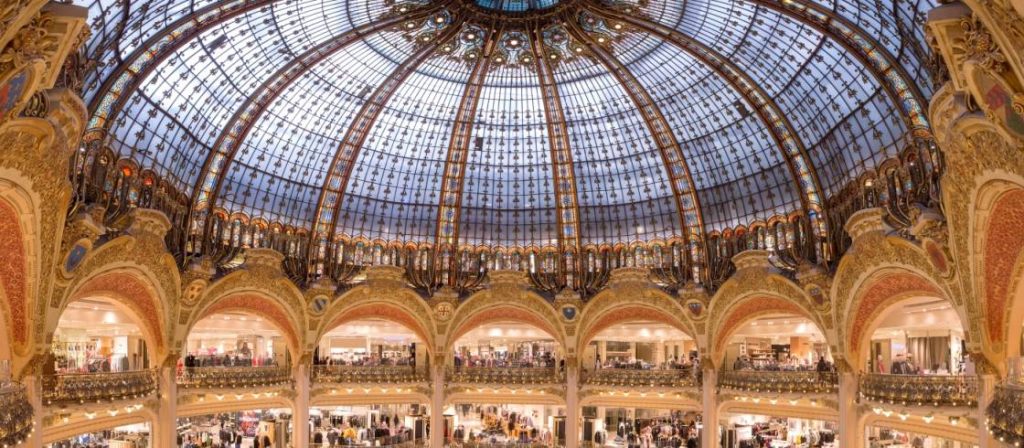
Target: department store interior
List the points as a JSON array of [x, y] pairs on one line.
[[511, 223]]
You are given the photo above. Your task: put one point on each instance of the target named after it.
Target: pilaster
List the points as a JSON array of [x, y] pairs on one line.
[[709, 437], [165, 427], [572, 404], [34, 390], [437, 404], [849, 436], [300, 413]]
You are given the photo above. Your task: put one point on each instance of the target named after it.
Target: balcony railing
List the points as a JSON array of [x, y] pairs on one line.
[[81, 388], [641, 378], [366, 375], [779, 382], [492, 375], [1006, 414], [234, 377], [920, 390], [16, 417]]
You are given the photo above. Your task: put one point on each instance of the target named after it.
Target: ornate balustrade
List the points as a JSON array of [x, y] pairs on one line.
[[641, 378], [234, 377], [366, 375], [1006, 414], [16, 418], [495, 375], [779, 382], [81, 388], [920, 390]]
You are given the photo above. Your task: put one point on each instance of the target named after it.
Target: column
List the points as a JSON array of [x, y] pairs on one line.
[[709, 407], [659, 353], [166, 424], [437, 404], [300, 414], [34, 390], [572, 404], [850, 434], [986, 390]]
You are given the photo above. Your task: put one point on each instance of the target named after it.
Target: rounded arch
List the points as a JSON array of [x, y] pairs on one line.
[[609, 308], [404, 307], [940, 427], [384, 311], [998, 248], [879, 291], [81, 425], [490, 306], [257, 303], [21, 246], [750, 307], [131, 290], [817, 411]]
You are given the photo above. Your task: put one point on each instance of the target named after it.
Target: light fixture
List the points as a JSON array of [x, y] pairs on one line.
[[928, 418]]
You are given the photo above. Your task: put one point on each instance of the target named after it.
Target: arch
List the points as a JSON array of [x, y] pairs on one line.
[[674, 401], [879, 291], [19, 244], [610, 307], [780, 409], [381, 310], [997, 220], [401, 306], [937, 428], [132, 290], [211, 405], [750, 307], [490, 306], [80, 426], [257, 303], [407, 396]]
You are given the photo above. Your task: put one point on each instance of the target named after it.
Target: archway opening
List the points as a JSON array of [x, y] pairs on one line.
[[643, 345], [97, 335], [778, 342], [135, 434], [370, 342], [615, 426], [507, 344], [920, 335], [236, 339], [504, 424]]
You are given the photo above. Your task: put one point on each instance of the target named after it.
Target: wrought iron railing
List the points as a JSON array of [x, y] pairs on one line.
[[641, 378], [492, 375], [920, 390], [234, 377], [81, 388], [16, 414], [1006, 414], [366, 375], [778, 382]]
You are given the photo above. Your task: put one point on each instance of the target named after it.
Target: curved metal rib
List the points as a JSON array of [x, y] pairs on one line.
[[789, 143], [211, 178], [676, 165], [326, 218], [449, 210], [153, 52], [566, 198], [891, 75]]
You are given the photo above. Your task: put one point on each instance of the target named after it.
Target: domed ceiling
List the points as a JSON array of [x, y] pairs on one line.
[[514, 123]]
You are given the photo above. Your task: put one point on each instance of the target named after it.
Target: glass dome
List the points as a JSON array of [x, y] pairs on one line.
[[516, 5], [605, 122]]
